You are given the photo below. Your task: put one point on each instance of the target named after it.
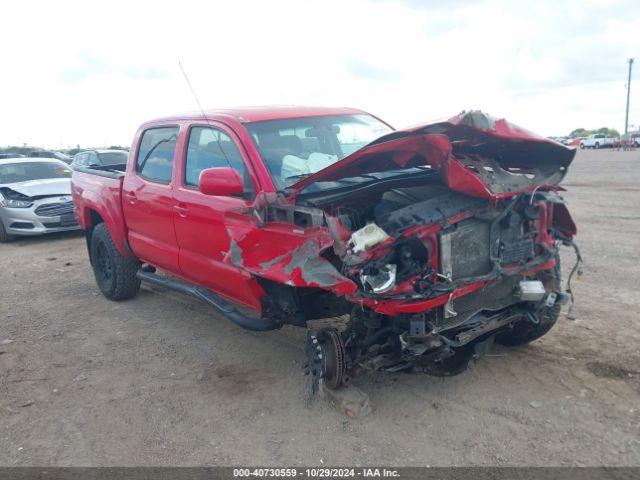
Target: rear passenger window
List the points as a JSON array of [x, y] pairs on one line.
[[155, 154], [210, 148]]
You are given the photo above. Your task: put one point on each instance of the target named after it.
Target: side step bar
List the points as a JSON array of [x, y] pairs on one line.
[[221, 305]]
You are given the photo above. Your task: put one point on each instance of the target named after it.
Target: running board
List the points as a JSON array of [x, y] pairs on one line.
[[220, 304]]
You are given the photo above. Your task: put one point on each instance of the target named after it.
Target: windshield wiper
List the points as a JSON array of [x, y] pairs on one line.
[[363, 175], [300, 176], [305, 175]]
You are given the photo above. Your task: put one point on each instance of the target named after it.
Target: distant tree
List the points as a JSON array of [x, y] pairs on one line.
[[610, 132], [579, 132], [583, 132]]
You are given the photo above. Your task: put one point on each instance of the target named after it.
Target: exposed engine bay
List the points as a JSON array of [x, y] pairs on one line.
[[460, 271], [431, 265]]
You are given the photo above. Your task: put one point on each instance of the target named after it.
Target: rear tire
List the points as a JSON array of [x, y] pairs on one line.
[[114, 273], [4, 236]]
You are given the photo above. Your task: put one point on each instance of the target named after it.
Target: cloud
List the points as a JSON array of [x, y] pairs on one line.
[[368, 71], [547, 65], [433, 4], [145, 73], [87, 66]]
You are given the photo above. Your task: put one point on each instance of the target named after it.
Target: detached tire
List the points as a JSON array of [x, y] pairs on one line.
[[4, 236], [115, 274]]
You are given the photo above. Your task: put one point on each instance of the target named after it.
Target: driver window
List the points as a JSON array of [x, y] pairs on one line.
[[210, 148]]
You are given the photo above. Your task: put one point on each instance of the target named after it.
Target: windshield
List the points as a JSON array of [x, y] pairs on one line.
[[25, 171], [113, 158], [295, 148]]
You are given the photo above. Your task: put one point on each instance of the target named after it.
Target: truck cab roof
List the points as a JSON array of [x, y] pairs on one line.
[[260, 114]]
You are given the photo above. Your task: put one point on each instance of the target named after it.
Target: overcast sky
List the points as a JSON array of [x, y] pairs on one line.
[[89, 73]]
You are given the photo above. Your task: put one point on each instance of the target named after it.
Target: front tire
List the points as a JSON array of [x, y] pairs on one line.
[[524, 331], [4, 236], [114, 273]]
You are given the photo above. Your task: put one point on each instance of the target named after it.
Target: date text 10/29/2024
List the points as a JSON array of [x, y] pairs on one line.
[[315, 473]]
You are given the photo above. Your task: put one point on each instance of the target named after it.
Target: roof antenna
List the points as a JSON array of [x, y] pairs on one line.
[[193, 92]]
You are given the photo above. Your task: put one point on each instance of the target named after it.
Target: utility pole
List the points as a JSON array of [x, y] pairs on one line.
[[626, 117]]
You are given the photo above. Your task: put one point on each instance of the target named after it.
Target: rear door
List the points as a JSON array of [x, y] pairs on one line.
[[147, 198], [200, 219]]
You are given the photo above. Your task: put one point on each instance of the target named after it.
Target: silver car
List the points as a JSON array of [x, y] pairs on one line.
[[35, 197]]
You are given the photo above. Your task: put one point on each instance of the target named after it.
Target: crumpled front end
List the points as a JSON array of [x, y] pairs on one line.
[[432, 265]]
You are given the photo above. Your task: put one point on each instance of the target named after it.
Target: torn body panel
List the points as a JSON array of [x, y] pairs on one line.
[[284, 253]]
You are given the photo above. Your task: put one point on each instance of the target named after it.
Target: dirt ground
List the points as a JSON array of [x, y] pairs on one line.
[[160, 380]]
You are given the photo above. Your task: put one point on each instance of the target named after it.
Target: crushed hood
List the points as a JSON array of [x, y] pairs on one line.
[[476, 154], [41, 188]]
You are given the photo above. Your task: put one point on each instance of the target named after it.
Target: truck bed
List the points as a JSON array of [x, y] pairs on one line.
[[97, 197]]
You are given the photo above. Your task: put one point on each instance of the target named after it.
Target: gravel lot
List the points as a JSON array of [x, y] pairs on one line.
[[160, 380]]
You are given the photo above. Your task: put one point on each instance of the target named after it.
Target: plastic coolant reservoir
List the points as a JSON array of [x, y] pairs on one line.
[[367, 237]]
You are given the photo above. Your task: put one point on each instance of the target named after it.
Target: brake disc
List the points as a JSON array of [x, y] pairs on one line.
[[334, 358], [325, 359]]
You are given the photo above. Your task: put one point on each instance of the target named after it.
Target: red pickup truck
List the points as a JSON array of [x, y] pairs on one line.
[[434, 241]]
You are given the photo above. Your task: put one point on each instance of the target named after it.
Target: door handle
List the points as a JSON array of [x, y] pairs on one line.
[[181, 210], [131, 197]]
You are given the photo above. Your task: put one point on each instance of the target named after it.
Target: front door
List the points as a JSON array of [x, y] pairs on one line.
[[200, 219], [148, 202]]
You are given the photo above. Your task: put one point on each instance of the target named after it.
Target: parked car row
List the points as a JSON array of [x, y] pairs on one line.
[[35, 191], [597, 140], [39, 154], [94, 157], [600, 140]]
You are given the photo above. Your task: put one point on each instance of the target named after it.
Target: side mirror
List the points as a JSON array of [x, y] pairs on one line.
[[221, 181]]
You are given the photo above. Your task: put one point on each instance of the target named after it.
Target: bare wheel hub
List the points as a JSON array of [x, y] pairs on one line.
[[325, 359]]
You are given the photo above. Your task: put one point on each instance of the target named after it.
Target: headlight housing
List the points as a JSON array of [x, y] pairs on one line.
[[11, 203], [382, 281]]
